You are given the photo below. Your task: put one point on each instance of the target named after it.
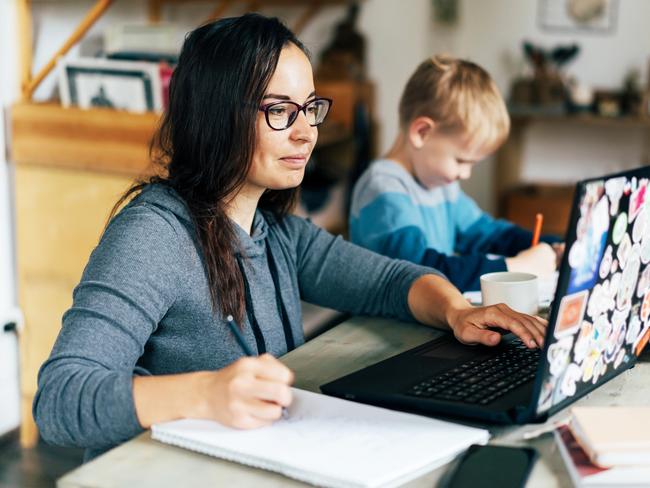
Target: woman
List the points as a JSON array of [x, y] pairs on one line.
[[146, 339]]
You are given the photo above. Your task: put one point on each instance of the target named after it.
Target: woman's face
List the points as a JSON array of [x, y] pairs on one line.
[[280, 157]]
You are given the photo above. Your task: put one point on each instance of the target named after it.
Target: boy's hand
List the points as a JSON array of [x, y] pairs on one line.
[[540, 260], [558, 247], [471, 325]]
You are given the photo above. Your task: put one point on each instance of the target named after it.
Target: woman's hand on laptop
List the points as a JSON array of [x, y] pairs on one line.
[[474, 325], [434, 301]]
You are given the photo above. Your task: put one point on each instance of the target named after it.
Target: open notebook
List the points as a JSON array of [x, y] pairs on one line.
[[327, 441]]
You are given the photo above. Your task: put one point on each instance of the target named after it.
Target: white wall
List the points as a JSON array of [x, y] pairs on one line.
[[9, 396], [397, 34]]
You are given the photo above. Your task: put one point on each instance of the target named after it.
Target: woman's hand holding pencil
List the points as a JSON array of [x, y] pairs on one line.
[[247, 394]]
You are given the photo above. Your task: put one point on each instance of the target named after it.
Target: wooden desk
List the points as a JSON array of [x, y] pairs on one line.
[[351, 345]]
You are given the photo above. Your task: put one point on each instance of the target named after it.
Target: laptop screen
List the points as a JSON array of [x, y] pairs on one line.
[[599, 321]]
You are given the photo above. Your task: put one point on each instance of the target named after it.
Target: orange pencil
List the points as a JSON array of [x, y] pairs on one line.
[[539, 218]]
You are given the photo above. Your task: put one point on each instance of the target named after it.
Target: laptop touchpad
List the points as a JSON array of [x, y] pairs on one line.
[[451, 349]]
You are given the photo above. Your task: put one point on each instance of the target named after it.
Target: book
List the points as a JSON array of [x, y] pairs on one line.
[[613, 436], [586, 474], [331, 442]]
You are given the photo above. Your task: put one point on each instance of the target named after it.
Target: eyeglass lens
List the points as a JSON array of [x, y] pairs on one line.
[[282, 115]]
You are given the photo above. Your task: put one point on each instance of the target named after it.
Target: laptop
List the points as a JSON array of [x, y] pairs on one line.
[[598, 325]]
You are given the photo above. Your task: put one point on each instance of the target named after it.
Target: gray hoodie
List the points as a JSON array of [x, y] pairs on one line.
[[143, 307]]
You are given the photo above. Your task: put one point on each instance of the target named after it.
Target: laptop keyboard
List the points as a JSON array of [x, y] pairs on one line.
[[482, 381]]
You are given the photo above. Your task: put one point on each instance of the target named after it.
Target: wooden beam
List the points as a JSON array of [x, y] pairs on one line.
[[253, 6], [24, 14], [155, 11], [220, 9], [88, 21], [306, 16]]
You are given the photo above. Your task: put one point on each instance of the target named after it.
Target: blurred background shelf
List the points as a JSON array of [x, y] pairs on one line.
[[522, 117], [104, 140], [518, 200]]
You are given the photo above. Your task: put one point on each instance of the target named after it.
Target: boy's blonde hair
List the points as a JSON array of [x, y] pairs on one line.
[[460, 97]]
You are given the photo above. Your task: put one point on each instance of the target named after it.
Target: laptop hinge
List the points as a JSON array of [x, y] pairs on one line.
[[520, 413]]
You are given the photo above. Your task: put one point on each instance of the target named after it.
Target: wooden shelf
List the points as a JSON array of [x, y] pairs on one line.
[[582, 119], [103, 140]]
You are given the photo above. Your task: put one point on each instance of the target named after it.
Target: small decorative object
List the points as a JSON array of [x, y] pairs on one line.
[[581, 97], [546, 89], [631, 95], [595, 16], [122, 85], [345, 57], [445, 11], [608, 103]]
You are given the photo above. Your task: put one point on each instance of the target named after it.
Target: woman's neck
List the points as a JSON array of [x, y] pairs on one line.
[[242, 207], [400, 154]]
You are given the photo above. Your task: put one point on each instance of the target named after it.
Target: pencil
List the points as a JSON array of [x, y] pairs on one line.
[[240, 339], [539, 218], [247, 350]]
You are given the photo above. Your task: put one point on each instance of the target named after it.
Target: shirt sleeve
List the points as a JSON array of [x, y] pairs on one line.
[[391, 225], [84, 396], [384, 219], [479, 232], [337, 274]]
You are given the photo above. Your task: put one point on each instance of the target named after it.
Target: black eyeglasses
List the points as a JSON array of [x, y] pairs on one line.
[[281, 115]]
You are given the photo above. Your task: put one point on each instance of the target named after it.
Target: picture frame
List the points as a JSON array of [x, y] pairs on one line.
[[578, 16], [133, 86]]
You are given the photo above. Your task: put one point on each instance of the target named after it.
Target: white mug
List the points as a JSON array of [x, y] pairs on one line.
[[517, 290]]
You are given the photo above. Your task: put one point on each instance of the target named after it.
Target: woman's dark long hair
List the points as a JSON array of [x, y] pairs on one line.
[[207, 137]]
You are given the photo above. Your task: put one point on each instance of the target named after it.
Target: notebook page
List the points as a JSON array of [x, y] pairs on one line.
[[334, 442]]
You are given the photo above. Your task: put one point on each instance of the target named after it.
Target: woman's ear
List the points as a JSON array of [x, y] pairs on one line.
[[420, 130]]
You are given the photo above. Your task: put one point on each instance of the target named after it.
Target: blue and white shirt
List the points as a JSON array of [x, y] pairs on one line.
[[392, 214]]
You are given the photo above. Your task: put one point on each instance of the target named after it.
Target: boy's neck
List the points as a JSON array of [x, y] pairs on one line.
[[399, 153]]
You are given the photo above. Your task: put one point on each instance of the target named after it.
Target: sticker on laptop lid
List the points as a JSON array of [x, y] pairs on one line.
[[606, 263], [628, 282], [569, 380], [619, 358], [645, 245], [623, 251], [642, 341], [571, 312], [583, 342], [645, 307], [614, 189], [620, 227], [599, 370], [634, 329], [585, 254], [640, 226], [644, 282], [637, 200], [558, 355]]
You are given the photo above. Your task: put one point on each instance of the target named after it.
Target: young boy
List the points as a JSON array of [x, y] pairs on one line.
[[409, 205]]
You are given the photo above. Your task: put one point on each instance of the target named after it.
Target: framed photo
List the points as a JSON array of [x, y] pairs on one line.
[[123, 85], [588, 16]]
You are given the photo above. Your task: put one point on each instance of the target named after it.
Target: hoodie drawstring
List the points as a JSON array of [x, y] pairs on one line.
[[282, 311], [279, 303], [257, 332]]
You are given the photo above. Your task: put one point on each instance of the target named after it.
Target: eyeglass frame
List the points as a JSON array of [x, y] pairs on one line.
[[301, 108]]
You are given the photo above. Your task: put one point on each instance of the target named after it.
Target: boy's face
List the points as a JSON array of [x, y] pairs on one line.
[[444, 158]]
